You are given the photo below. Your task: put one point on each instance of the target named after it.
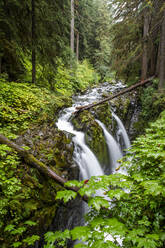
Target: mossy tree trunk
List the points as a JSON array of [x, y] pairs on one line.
[[162, 56], [33, 43], [72, 27], [145, 45], [42, 168], [31, 160]]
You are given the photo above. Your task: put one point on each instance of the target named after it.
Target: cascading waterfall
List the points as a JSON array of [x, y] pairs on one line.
[[83, 156], [122, 133], [113, 147]]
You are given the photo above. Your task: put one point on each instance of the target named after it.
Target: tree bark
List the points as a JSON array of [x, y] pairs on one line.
[[0, 65], [72, 27], [162, 56], [81, 108], [42, 168], [30, 159], [158, 61], [33, 43], [145, 45], [77, 46]]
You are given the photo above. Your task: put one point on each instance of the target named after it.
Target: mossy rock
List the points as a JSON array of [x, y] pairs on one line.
[[50, 145], [26, 194], [103, 113], [36, 196], [121, 106], [94, 136]]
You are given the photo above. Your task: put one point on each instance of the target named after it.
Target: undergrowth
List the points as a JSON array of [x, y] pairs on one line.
[[27, 200], [132, 210]]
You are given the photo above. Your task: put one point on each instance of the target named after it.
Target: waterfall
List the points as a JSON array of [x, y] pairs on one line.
[[122, 132], [83, 156], [113, 147]]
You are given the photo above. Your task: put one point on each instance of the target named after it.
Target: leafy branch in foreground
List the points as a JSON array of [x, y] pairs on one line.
[[129, 209]]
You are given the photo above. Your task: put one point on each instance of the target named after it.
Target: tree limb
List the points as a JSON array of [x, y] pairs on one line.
[[81, 108], [41, 167]]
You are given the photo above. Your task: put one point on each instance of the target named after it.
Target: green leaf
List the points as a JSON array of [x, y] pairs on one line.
[[152, 187], [30, 223], [81, 233], [98, 202], [117, 193], [16, 244], [66, 195], [31, 240], [74, 183], [9, 228]]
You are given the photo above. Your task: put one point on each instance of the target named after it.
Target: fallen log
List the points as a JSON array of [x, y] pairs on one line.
[[81, 108], [41, 167]]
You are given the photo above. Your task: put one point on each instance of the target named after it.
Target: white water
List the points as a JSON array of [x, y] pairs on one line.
[[84, 157], [122, 132], [113, 147]]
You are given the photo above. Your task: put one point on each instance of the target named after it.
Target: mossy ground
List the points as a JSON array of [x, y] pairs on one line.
[[27, 115]]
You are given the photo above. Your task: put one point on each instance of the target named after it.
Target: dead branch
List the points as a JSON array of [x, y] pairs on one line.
[[81, 108]]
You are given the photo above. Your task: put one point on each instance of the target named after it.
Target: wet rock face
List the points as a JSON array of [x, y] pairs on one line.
[[127, 108], [94, 136], [103, 113], [51, 146]]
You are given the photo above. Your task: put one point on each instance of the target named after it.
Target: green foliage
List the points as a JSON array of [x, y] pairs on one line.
[[152, 104], [22, 104], [92, 20], [63, 80], [85, 75], [66, 195], [50, 40], [78, 78], [147, 100], [51, 237], [18, 231], [133, 206]]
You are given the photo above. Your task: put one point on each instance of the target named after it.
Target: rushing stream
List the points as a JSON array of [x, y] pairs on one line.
[[83, 156]]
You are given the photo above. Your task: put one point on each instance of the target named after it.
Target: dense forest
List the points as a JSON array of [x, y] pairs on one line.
[[54, 55]]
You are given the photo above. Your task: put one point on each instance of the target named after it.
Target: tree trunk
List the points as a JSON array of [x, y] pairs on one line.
[[162, 56], [30, 159], [77, 46], [0, 65], [158, 61], [42, 168], [145, 45], [33, 44], [81, 108], [72, 27], [152, 59]]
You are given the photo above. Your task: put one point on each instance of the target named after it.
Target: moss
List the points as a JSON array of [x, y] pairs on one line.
[[122, 105], [26, 194], [152, 104], [103, 113], [94, 136]]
